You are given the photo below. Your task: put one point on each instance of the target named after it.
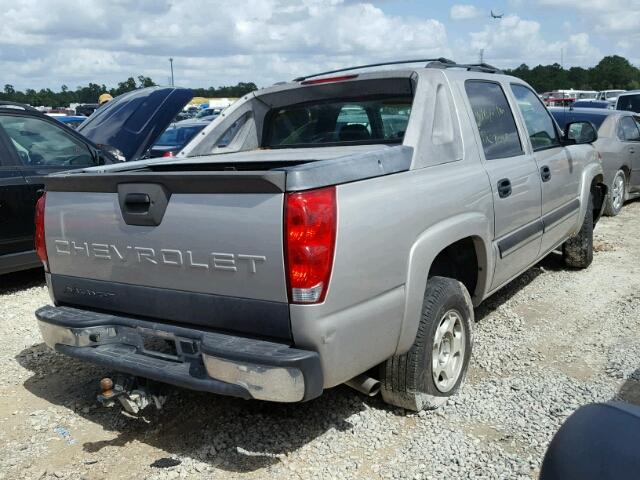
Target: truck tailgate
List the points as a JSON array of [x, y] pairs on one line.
[[213, 256]]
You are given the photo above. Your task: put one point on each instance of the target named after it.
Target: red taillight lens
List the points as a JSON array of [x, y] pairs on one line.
[[310, 237], [40, 246], [168, 154], [318, 81]]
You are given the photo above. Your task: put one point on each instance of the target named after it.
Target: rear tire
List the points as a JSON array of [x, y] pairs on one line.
[[578, 250], [436, 365], [617, 194]]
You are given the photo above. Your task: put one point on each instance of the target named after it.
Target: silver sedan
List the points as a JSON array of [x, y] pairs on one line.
[[619, 145]]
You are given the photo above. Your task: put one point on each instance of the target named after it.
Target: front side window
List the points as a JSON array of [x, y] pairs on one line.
[[339, 122], [494, 118], [39, 143], [542, 131], [628, 130]]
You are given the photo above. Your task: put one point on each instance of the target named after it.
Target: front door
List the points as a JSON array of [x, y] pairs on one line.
[[557, 169], [15, 223], [514, 178]]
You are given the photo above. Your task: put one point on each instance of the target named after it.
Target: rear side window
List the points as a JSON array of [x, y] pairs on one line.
[[628, 130], [542, 132], [339, 122], [495, 120], [39, 143], [630, 103]]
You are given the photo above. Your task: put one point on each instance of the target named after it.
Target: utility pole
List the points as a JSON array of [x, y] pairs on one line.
[[562, 58], [482, 55], [171, 63]]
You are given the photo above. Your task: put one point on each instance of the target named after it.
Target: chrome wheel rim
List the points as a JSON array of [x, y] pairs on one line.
[[617, 192], [449, 343]]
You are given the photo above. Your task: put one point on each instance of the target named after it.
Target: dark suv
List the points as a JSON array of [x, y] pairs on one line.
[[33, 145]]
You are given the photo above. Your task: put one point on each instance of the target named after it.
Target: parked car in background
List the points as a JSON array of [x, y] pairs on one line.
[[34, 145], [206, 112], [590, 104], [619, 145], [72, 121], [302, 241], [86, 109], [609, 96], [176, 137], [629, 101]]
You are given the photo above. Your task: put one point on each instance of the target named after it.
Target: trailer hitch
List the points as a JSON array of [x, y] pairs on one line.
[[132, 393]]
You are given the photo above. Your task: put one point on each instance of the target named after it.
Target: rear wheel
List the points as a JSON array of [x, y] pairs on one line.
[[617, 194], [435, 366], [578, 250]]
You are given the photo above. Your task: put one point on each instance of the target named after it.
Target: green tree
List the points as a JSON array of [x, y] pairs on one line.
[[614, 72]]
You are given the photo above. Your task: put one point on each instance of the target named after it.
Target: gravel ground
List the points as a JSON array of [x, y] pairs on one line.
[[548, 343]]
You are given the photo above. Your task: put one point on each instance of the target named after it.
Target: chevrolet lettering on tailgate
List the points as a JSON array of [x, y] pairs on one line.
[[165, 256]]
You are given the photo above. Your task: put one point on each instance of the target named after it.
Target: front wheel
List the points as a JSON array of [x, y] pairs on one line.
[[578, 250], [616, 197], [436, 365]]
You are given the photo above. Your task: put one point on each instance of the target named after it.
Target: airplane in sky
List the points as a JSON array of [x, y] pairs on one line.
[[496, 15]]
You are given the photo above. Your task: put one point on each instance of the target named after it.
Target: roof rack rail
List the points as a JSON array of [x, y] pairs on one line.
[[430, 63], [16, 106], [474, 67], [383, 64]]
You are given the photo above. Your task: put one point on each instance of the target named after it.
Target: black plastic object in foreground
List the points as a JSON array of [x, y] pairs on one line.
[[597, 442]]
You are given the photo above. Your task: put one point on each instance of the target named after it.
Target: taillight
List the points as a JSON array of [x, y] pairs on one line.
[[310, 237], [168, 154], [318, 81], [40, 246]]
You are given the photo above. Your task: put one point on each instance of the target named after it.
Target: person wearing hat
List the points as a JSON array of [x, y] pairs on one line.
[[104, 98]]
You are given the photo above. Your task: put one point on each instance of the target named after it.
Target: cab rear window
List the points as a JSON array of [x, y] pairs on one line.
[[339, 122]]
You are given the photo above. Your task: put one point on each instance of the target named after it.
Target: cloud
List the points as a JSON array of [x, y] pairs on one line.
[[464, 12], [514, 40], [212, 42]]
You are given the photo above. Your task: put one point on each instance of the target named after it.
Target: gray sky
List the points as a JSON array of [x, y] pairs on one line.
[[47, 43]]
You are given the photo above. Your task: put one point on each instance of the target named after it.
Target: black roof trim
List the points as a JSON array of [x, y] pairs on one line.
[[18, 106]]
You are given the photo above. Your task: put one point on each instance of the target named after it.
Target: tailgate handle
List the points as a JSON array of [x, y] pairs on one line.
[[143, 204], [137, 199]]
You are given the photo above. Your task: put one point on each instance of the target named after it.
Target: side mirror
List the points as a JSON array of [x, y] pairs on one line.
[[579, 133], [112, 153]]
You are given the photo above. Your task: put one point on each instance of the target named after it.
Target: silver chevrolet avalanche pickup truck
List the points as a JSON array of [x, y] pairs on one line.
[[339, 228]]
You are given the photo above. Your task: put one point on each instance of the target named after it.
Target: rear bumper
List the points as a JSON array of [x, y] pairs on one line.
[[197, 359]]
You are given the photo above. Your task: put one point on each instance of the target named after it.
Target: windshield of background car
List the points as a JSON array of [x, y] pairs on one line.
[[179, 135], [630, 103], [339, 122]]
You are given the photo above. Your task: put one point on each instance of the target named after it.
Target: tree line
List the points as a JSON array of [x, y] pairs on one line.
[[90, 93], [612, 72]]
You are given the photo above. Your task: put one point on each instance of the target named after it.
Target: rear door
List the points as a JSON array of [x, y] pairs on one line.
[[558, 170], [629, 134], [514, 177]]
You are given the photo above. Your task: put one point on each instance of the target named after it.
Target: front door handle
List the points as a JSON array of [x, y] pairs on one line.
[[504, 188], [545, 173]]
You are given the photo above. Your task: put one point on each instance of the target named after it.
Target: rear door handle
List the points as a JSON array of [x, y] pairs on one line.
[[545, 173], [504, 188], [632, 150]]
